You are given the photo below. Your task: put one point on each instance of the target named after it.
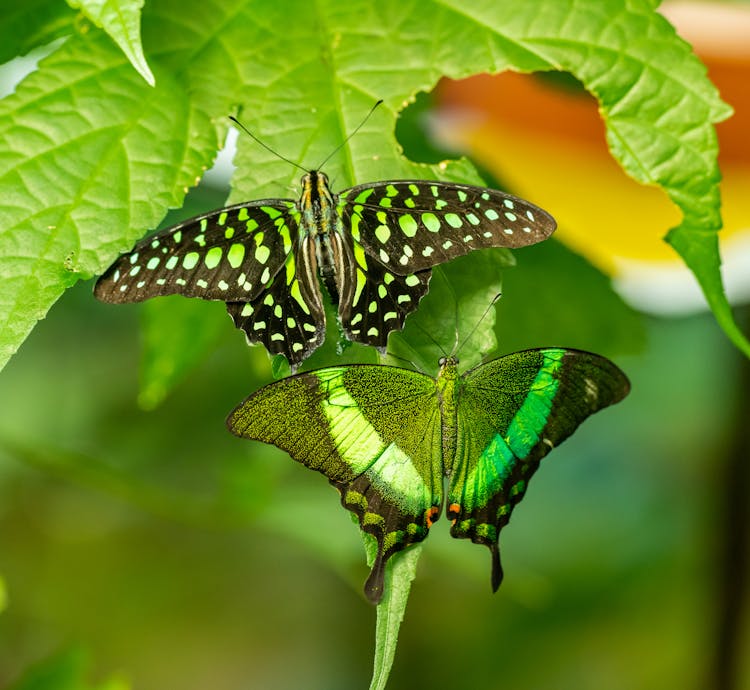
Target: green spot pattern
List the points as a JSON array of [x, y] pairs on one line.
[[373, 244]]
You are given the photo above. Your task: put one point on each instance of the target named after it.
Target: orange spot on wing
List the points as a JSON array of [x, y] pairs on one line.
[[453, 510], [431, 515]]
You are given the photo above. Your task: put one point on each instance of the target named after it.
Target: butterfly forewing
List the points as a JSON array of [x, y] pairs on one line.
[[413, 225], [349, 424], [512, 411], [228, 255]]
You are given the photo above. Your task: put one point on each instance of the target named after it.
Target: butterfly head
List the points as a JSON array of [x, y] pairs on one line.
[[313, 178], [316, 193], [448, 361]]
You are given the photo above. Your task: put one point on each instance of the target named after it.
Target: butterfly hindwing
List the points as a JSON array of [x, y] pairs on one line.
[[413, 225], [512, 412], [348, 423], [379, 301], [228, 255], [288, 317]]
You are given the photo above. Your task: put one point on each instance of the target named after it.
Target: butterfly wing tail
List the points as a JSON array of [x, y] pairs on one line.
[[515, 410]]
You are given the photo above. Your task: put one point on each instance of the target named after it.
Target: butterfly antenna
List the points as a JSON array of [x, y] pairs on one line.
[[265, 146], [455, 315], [413, 364], [476, 325], [356, 129]]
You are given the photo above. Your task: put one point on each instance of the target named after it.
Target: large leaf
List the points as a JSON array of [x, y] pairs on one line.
[[28, 25], [94, 156], [121, 20]]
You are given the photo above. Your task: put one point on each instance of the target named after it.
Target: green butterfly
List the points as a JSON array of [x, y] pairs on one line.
[[386, 437], [372, 246]]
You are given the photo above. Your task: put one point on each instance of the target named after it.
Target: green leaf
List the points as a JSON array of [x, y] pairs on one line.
[[65, 671], [79, 130], [94, 156], [121, 20], [28, 25], [399, 575]]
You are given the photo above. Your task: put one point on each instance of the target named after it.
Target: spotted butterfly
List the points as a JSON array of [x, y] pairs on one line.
[[372, 246]]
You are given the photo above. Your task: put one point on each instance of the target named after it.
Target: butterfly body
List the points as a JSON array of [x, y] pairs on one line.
[[387, 437], [371, 246], [320, 226]]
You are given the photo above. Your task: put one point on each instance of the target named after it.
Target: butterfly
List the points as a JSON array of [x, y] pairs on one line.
[[372, 246], [386, 437]]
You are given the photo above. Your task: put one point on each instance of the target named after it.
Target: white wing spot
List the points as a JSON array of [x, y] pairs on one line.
[[592, 390]]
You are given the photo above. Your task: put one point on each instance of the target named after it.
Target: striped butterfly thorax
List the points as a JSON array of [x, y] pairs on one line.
[[372, 246], [386, 438]]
